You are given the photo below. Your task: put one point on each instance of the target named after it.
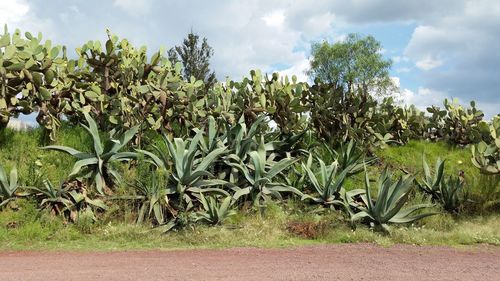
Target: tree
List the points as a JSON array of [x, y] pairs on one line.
[[195, 59], [354, 64]]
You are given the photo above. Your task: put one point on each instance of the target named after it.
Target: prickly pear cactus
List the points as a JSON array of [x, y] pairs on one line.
[[456, 123], [486, 154], [28, 70]]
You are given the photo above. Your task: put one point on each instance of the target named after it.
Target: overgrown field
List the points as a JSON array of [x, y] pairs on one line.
[[288, 223], [129, 152]]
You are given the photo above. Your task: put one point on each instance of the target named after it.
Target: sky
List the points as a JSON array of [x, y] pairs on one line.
[[439, 48]]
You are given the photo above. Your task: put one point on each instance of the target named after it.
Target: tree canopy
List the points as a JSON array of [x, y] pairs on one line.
[[355, 63], [194, 54]]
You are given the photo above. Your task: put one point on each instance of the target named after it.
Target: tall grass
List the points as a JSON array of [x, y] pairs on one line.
[[22, 149]]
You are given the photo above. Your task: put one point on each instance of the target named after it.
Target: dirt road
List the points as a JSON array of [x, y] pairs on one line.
[[329, 262]]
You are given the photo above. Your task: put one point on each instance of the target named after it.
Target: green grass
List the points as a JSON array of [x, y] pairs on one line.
[[25, 227], [23, 150], [35, 231], [480, 188], [409, 157]]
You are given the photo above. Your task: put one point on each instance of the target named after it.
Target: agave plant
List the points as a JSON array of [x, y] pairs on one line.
[[351, 158], [68, 198], [327, 182], [431, 182], [56, 199], [260, 174], [452, 194], [151, 194], [296, 176], [97, 165], [388, 206], [190, 168], [8, 185], [241, 140], [82, 203], [238, 139], [214, 140], [215, 212]]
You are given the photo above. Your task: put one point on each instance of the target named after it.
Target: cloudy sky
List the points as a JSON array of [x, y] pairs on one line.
[[439, 48]]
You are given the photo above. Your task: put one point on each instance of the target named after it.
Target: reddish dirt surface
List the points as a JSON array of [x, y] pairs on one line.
[[329, 262]]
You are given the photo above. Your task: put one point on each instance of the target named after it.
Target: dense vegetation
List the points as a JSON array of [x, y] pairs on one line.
[[126, 138]]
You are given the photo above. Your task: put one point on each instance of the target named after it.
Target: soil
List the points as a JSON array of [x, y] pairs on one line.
[[325, 262]]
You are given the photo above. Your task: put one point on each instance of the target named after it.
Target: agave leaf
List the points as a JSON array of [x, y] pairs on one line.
[[439, 171], [68, 150], [241, 192], [190, 154], [360, 215], [279, 167], [96, 203], [368, 201], [212, 131], [123, 156], [155, 160], [77, 197], [394, 209], [13, 179], [339, 181], [158, 212], [196, 190], [164, 228], [399, 190], [94, 132], [323, 171], [284, 188], [204, 202], [177, 154], [210, 182], [237, 164], [3, 178], [382, 201], [408, 219], [255, 125], [257, 163], [210, 158], [99, 182], [115, 175], [192, 178], [427, 171], [125, 138], [142, 214], [313, 179], [226, 204], [81, 164], [5, 202]]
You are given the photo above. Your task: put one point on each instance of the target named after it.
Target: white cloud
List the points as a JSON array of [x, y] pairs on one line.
[[423, 98], [274, 19], [18, 14], [13, 11], [298, 69], [134, 7], [319, 24], [465, 43], [455, 41], [403, 69], [428, 63], [399, 59]]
